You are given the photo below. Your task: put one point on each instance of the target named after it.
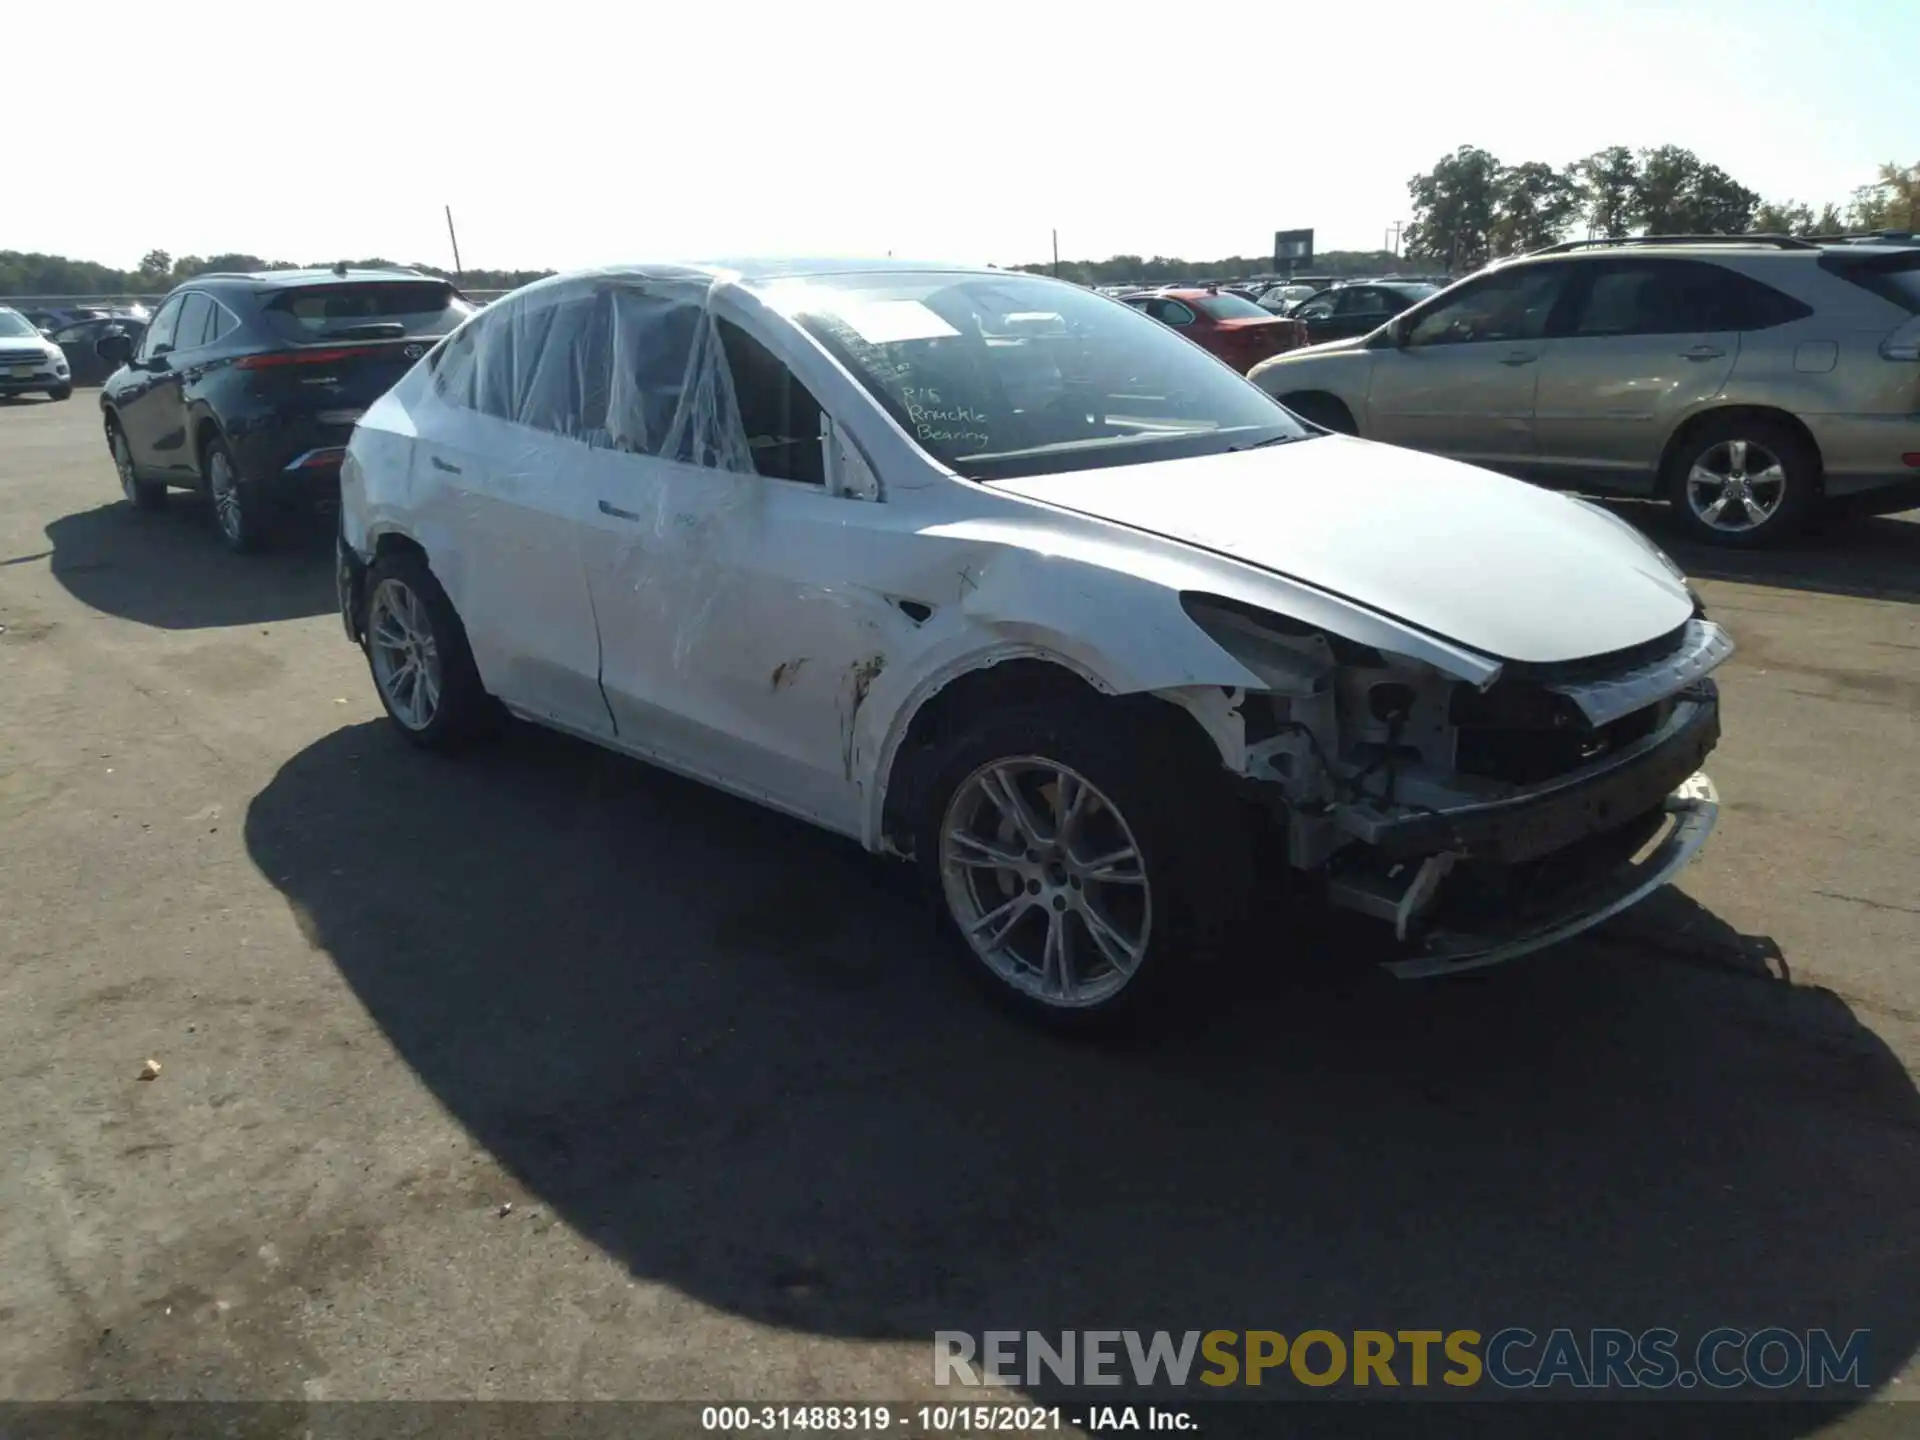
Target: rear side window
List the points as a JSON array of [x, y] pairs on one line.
[[376, 309], [1676, 297], [1894, 278], [192, 330], [1225, 306]]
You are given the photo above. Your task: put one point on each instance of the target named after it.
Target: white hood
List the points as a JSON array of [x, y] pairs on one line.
[[1493, 564]]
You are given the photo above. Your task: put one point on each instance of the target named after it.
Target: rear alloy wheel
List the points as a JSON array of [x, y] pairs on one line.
[[417, 650], [235, 515], [1744, 482], [142, 494]]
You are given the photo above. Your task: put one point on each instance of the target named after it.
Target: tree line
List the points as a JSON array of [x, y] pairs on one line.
[[1472, 207], [23, 273]]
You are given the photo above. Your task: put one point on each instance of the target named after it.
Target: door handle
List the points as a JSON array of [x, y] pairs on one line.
[[1703, 352], [1519, 357], [440, 464], [617, 512]]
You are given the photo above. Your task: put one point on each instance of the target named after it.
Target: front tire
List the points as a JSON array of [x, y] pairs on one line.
[[60, 392], [1089, 873], [1744, 481], [141, 494], [418, 654]]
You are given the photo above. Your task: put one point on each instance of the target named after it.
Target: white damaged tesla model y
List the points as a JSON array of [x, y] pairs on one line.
[[999, 576]]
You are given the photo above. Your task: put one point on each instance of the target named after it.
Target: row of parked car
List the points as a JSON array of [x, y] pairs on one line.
[[1011, 580]]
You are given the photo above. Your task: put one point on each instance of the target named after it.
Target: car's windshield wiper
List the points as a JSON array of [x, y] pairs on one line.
[[1270, 440]]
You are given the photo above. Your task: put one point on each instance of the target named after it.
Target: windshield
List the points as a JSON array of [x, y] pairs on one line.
[[13, 324], [961, 365], [374, 309], [1225, 306]]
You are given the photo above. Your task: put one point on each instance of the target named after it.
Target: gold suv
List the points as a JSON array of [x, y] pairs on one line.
[[1748, 379]]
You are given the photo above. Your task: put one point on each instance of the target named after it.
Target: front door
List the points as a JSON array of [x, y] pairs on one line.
[[1463, 382], [148, 403], [735, 644]]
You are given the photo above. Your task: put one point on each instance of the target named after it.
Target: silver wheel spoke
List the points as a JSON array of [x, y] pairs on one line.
[[1121, 953], [1003, 789], [1069, 808], [1122, 867], [1713, 511], [1700, 475], [1772, 475], [978, 854], [1056, 962], [991, 928], [1737, 456]]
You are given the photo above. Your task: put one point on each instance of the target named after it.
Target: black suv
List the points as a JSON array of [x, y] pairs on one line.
[[247, 387]]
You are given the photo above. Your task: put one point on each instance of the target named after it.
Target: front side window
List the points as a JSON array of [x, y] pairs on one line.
[[947, 357], [159, 337], [1507, 305], [1320, 307]]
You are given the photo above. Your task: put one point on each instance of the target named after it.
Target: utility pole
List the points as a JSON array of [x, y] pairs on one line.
[[1056, 254], [1393, 237], [457, 270]]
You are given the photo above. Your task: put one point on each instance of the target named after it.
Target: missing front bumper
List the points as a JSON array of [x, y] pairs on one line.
[[1689, 816]]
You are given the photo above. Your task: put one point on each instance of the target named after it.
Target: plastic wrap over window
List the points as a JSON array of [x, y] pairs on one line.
[[632, 363]]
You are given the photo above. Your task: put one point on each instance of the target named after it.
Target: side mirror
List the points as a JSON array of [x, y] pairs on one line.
[[116, 348], [1396, 331]]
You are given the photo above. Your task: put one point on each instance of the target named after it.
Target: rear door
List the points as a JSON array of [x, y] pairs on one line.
[[1644, 343], [502, 478], [1462, 383]]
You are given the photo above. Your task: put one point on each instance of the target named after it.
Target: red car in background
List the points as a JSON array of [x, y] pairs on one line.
[[1228, 325]]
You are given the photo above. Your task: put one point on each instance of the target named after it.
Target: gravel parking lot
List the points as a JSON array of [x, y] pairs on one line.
[[757, 1140]]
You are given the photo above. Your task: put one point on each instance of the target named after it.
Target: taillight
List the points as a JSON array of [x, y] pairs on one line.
[[276, 358]]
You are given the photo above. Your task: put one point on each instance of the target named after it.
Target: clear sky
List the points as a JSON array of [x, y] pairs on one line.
[[567, 133]]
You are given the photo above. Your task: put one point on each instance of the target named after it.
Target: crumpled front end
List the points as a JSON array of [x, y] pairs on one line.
[[1477, 818]]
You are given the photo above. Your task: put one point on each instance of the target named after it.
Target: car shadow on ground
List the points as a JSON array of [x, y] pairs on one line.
[[167, 568], [725, 1048], [1876, 556]]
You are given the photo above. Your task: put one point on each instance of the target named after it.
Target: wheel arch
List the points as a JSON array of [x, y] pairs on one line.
[[205, 430], [951, 699], [1313, 394], [1688, 428]]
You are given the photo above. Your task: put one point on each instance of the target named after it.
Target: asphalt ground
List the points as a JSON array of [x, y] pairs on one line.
[[758, 1140]]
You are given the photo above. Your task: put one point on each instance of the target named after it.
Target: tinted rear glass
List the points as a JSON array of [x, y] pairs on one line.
[[1894, 278], [1231, 307], [366, 310]]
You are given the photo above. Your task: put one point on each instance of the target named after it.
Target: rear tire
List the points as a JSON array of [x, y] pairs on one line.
[[1323, 410], [1091, 926], [239, 517], [418, 655], [1742, 482]]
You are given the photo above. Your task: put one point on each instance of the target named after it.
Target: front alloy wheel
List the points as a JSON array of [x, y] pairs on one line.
[[1044, 878], [141, 493], [404, 654]]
